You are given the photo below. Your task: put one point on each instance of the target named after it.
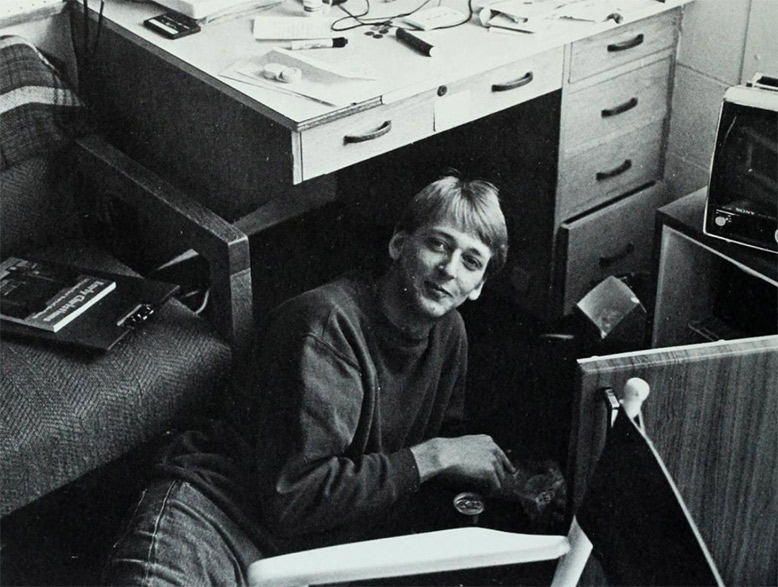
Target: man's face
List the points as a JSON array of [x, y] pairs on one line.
[[439, 267]]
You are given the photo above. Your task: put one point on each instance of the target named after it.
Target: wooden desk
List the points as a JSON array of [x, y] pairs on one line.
[[258, 157]]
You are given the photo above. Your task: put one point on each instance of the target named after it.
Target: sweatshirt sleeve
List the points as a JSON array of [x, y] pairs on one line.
[[313, 475]]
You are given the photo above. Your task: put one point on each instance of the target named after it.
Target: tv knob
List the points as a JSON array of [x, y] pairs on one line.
[[721, 220]]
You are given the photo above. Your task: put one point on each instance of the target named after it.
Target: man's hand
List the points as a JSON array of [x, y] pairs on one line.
[[476, 458]]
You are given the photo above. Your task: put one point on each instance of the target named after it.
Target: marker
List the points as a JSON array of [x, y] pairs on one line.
[[412, 40], [316, 44]]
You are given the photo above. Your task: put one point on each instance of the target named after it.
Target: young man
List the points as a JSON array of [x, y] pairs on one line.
[[357, 400]]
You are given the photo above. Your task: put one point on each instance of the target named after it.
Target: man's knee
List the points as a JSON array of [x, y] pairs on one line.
[[177, 536]]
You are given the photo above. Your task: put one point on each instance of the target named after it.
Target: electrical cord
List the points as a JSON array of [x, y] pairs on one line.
[[363, 20], [465, 21], [86, 49]]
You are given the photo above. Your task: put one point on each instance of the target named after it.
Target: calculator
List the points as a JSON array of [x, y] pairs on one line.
[[172, 25]]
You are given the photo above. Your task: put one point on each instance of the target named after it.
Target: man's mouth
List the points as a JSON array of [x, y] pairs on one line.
[[438, 290]]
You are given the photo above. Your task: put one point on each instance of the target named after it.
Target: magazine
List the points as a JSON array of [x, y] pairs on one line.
[[46, 296]]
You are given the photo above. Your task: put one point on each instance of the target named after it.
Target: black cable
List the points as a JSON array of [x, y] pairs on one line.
[[85, 48], [362, 20], [99, 27], [87, 57]]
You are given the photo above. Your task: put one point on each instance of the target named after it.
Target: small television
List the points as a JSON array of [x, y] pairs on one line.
[[742, 202]]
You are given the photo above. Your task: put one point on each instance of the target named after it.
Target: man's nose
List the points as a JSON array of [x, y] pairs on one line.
[[448, 265]]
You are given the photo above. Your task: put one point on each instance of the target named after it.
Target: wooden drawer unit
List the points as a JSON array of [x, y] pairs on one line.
[[355, 138], [600, 112], [512, 84], [612, 49], [593, 177], [614, 240]]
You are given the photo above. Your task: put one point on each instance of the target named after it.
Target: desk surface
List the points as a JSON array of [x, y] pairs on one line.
[[401, 72]]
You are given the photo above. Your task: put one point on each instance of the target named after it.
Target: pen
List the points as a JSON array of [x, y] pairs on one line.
[[316, 43], [412, 40]]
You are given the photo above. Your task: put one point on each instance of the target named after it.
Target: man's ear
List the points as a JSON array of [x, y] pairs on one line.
[[396, 244], [476, 293]]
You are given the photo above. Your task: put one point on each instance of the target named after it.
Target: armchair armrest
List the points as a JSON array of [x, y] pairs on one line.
[[444, 550], [224, 246]]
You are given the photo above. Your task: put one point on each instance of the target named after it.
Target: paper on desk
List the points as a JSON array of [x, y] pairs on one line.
[[336, 85], [522, 10], [533, 25], [598, 10], [292, 28], [532, 16]]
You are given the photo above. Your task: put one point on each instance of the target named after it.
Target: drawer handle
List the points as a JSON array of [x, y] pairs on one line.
[[522, 81], [624, 167], [369, 136], [624, 45], [625, 252], [620, 109]]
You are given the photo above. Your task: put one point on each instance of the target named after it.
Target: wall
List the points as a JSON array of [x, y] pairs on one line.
[[723, 43]]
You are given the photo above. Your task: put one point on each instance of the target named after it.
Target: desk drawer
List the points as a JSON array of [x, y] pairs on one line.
[[633, 41], [618, 106], [509, 85], [594, 177], [342, 142], [615, 240]]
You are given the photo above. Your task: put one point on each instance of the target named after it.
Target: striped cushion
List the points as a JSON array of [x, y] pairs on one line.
[[39, 113]]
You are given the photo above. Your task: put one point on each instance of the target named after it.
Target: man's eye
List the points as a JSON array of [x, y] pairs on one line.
[[437, 244], [473, 263]]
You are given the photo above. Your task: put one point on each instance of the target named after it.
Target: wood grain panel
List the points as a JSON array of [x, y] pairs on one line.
[[713, 416]]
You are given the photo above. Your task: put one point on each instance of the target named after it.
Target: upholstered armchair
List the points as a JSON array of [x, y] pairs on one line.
[[68, 417]]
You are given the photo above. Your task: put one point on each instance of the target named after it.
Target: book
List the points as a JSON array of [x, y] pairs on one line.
[[45, 296]]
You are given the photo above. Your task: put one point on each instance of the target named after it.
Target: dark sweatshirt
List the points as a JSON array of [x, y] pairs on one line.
[[338, 398]]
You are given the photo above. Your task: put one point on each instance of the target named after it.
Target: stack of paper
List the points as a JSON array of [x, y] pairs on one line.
[[334, 85]]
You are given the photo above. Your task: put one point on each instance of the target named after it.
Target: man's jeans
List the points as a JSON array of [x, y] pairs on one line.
[[177, 536]]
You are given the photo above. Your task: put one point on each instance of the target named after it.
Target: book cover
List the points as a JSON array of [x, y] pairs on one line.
[[47, 297]]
